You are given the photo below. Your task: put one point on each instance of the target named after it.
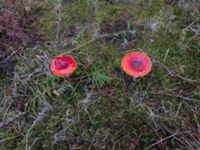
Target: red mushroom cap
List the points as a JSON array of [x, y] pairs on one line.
[[63, 66], [136, 64]]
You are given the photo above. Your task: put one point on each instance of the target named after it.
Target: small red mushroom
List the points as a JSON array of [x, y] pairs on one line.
[[63, 66], [136, 64]]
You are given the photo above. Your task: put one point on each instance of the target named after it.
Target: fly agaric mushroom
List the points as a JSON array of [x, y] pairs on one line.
[[63, 66], [136, 64]]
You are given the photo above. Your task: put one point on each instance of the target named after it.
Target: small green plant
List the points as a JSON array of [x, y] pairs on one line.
[[99, 78]]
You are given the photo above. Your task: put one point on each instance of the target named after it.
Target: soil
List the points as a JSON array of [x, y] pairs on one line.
[[119, 32], [14, 32], [7, 63], [11, 27]]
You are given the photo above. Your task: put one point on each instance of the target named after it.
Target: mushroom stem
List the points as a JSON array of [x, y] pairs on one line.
[[134, 79]]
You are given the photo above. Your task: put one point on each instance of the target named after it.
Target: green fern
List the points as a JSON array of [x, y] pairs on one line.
[[99, 78], [63, 88]]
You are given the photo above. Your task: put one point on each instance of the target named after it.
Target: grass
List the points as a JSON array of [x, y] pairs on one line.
[[99, 106]]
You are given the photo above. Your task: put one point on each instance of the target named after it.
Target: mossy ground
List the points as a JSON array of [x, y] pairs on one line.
[[99, 106]]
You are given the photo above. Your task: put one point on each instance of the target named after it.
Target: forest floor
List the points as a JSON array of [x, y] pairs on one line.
[[99, 107]]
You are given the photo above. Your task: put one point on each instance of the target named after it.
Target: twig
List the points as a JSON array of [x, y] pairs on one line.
[[193, 82], [11, 55], [166, 138], [176, 95], [119, 140], [40, 116], [179, 107], [93, 139], [11, 119], [58, 11], [166, 55], [4, 140]]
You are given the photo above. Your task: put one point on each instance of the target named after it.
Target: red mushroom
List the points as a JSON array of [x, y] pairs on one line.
[[63, 66], [136, 64]]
